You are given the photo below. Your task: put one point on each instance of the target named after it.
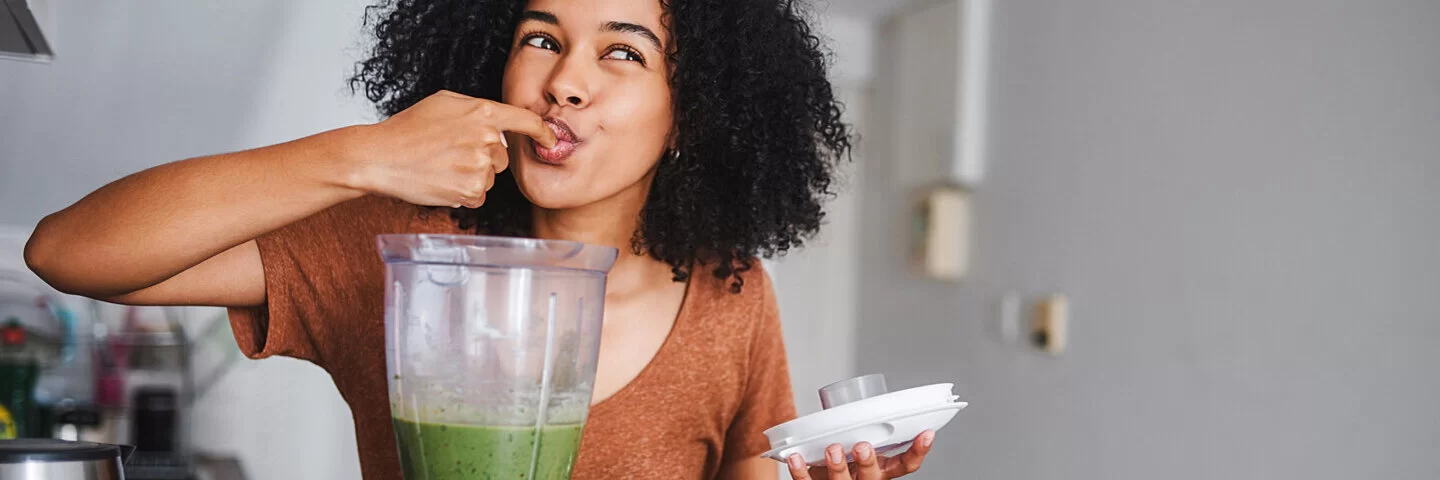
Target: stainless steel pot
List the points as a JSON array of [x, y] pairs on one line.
[[46, 459]]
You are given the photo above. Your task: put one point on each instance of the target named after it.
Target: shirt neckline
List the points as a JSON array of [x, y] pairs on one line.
[[658, 360]]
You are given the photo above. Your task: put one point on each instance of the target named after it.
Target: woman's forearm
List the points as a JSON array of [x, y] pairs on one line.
[[147, 227]]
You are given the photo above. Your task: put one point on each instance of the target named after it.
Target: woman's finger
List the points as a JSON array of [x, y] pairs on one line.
[[499, 156], [908, 462], [835, 463], [491, 136], [491, 157], [499, 159], [798, 471], [472, 202], [509, 118], [867, 467]]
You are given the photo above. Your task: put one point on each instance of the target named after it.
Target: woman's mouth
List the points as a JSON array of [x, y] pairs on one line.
[[566, 143]]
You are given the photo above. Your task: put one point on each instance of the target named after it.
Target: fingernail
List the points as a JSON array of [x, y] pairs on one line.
[[503, 142], [834, 454], [927, 438], [796, 463], [862, 452]]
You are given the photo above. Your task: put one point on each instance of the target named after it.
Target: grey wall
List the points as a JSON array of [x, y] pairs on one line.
[[1242, 201], [123, 94], [139, 83], [816, 285]]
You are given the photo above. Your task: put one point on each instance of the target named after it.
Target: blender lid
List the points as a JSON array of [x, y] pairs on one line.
[[862, 409], [888, 436], [51, 450], [863, 412]]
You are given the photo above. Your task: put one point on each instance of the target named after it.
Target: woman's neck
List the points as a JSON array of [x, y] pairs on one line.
[[611, 222]]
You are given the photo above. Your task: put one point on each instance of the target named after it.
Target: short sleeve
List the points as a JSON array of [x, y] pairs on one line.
[[767, 400], [316, 271]]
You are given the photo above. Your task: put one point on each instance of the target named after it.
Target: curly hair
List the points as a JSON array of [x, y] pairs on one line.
[[759, 130]]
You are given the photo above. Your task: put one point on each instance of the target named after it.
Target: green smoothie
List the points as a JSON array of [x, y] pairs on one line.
[[437, 451]]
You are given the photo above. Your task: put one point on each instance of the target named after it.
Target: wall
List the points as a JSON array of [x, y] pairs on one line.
[[137, 84], [1239, 199], [817, 285]]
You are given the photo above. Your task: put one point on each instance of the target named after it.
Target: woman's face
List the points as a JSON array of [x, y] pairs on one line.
[[596, 70]]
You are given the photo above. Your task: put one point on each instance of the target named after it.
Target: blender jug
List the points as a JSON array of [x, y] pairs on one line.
[[490, 352]]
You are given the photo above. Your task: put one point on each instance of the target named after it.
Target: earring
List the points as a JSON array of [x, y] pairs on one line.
[[675, 154]]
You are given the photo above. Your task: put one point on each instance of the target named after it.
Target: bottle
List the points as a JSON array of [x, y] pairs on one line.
[[19, 371]]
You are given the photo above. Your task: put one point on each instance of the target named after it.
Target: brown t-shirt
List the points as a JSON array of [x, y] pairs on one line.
[[717, 382]]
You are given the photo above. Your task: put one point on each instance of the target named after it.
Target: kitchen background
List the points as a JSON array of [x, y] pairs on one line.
[[1238, 199]]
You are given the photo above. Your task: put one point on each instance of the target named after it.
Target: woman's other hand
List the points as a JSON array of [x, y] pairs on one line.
[[443, 151], [867, 465]]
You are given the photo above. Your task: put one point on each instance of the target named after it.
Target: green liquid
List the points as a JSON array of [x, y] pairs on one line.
[[435, 451]]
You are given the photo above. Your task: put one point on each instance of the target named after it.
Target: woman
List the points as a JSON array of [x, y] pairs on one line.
[[693, 135]]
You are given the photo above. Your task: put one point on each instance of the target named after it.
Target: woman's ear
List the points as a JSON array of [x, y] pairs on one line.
[[672, 139], [672, 144]]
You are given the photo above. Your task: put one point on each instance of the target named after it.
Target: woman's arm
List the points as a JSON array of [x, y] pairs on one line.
[[148, 227], [194, 221]]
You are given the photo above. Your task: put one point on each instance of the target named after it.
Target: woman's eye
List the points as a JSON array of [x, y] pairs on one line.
[[541, 41], [623, 54]]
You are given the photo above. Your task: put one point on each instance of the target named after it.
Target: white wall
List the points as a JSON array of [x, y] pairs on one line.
[[136, 84], [139, 83], [1239, 199], [817, 285]]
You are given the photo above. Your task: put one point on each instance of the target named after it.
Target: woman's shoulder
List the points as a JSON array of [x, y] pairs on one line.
[[725, 309], [753, 283]]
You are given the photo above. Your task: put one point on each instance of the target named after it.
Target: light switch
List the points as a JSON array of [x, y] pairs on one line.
[[1052, 324], [941, 230]]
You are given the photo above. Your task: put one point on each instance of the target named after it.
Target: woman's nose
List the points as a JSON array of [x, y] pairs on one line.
[[568, 87], [568, 97]]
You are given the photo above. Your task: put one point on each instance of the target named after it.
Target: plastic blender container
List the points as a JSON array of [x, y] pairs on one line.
[[490, 351]]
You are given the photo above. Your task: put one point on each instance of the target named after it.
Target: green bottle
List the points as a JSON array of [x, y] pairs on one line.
[[19, 371]]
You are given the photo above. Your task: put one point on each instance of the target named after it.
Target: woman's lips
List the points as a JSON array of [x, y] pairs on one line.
[[564, 146]]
